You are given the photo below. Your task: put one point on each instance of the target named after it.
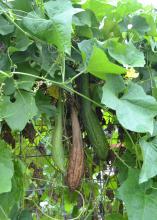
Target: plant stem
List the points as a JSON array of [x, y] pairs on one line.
[[125, 164], [63, 67], [135, 147]]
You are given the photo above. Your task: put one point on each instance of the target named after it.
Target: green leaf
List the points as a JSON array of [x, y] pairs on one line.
[[84, 18], [21, 44], [26, 82], [96, 61], [4, 76], [9, 86], [152, 24], [44, 104], [134, 109], [19, 112], [115, 217], [6, 168], [25, 215], [10, 199], [140, 201], [4, 62], [155, 129], [46, 57], [149, 151], [61, 13], [126, 54], [5, 26], [39, 26], [24, 5], [127, 7], [99, 7], [57, 29], [84, 31], [140, 24]]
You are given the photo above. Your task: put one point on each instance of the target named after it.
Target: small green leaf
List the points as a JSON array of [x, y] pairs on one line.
[[134, 109], [6, 168], [139, 201], [149, 151]]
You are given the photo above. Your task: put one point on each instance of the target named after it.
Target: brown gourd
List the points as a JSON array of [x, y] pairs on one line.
[[76, 159]]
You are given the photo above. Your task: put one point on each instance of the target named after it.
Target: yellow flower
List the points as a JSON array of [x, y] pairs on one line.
[[131, 73]]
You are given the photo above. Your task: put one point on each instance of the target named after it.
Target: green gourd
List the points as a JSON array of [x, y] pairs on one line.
[[57, 143], [91, 123]]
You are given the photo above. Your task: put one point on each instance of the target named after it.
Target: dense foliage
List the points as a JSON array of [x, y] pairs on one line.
[[78, 110]]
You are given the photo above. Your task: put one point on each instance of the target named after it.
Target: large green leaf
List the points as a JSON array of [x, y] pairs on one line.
[[149, 151], [134, 109], [126, 54], [57, 29], [96, 61], [19, 111], [6, 168], [39, 26], [61, 13], [139, 200]]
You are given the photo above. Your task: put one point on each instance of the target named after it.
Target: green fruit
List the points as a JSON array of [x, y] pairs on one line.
[[91, 123], [57, 144]]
